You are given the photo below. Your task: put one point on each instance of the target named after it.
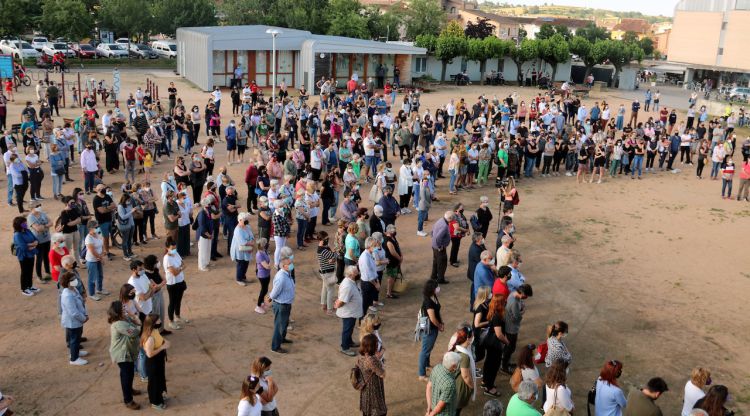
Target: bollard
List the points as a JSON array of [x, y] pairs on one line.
[[62, 87]]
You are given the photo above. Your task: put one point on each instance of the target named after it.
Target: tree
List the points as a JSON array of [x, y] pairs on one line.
[[347, 19], [545, 31], [553, 51], [563, 31], [450, 44], [168, 15], [126, 16], [630, 37], [477, 50], [592, 33], [15, 17], [66, 18], [382, 25], [619, 54], [647, 44], [479, 30], [424, 17], [428, 42], [245, 12], [526, 51], [590, 54]]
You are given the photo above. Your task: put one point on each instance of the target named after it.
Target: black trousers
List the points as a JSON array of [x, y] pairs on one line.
[[264, 281], [183, 241], [149, 216], [35, 180], [127, 373], [455, 246], [42, 257], [157, 378], [53, 106], [509, 349], [369, 294], [27, 273], [701, 165], [491, 365], [252, 198], [439, 264], [20, 194], [672, 157], [175, 299]]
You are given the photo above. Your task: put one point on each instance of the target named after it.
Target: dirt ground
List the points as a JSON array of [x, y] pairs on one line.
[[651, 272]]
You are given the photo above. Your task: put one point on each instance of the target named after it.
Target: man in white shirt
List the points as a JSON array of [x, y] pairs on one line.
[[139, 99], [6, 159], [349, 308], [89, 166], [372, 150], [142, 285], [217, 97]]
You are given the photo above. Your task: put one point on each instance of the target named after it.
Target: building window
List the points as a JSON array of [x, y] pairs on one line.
[[721, 51], [420, 64], [742, 5], [724, 25], [453, 10]]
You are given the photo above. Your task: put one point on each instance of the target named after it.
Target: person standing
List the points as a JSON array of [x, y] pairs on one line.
[[20, 174], [242, 244], [26, 250], [369, 274], [327, 270], [39, 223], [440, 240], [370, 364], [349, 308], [475, 257], [282, 295], [458, 228], [395, 258], [641, 402], [557, 392], [206, 234], [431, 310], [104, 206], [94, 255], [126, 225], [521, 404], [423, 206], [610, 400], [174, 269], [441, 388], [89, 166], [72, 317], [155, 348], [123, 350], [514, 310]]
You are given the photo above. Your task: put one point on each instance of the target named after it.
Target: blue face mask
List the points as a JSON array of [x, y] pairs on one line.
[[98, 230], [291, 266], [173, 251]]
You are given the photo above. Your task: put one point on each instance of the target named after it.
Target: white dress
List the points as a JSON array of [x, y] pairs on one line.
[[404, 180]]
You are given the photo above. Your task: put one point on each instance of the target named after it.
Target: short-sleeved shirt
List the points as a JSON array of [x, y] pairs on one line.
[[41, 219], [55, 259], [352, 243], [350, 294], [428, 303], [173, 261], [171, 208], [262, 257], [66, 216], [142, 286], [105, 202], [98, 244], [443, 389]]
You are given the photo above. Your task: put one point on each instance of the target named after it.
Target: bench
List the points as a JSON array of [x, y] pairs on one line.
[[462, 82]]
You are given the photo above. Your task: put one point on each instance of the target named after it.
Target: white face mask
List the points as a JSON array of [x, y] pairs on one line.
[[73, 283], [437, 290]]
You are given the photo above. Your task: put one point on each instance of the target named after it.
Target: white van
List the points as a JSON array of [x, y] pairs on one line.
[[165, 48]]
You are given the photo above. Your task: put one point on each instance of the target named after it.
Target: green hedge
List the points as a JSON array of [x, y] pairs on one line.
[[76, 63]]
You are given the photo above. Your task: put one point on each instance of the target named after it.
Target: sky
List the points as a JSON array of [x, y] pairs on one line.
[[648, 7]]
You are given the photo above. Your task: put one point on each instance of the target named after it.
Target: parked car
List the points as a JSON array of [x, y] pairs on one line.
[[739, 93], [123, 41], [84, 50], [10, 47], [165, 48], [141, 51], [53, 48], [111, 50], [38, 42]]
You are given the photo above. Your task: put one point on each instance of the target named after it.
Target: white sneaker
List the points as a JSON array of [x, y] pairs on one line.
[[421, 233], [568, 174], [82, 353], [79, 361], [35, 289], [260, 310], [27, 292], [175, 326]]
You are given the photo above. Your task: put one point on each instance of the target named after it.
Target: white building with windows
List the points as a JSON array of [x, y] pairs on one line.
[[207, 56]]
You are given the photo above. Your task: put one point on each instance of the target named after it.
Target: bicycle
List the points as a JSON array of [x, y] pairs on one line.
[[18, 80]]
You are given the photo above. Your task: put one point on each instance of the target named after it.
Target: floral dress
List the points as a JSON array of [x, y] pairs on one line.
[[372, 396]]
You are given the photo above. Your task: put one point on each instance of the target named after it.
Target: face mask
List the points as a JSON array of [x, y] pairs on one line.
[[109, 193], [99, 230], [131, 296], [170, 178], [25, 226], [74, 283], [437, 290], [61, 244], [376, 327], [173, 251], [291, 266]]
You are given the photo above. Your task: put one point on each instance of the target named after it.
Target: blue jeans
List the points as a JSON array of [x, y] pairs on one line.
[[620, 120], [73, 339], [428, 342], [346, 332], [637, 165], [530, 161], [715, 169], [10, 189], [452, 181], [421, 217], [56, 185], [301, 228], [281, 312], [96, 276], [180, 133], [724, 184], [140, 363], [88, 181]]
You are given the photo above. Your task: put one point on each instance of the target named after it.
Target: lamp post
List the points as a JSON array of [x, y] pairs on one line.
[[273, 33]]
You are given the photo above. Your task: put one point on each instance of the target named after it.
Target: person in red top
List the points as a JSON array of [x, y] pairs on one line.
[[500, 287], [251, 179], [56, 254], [351, 85]]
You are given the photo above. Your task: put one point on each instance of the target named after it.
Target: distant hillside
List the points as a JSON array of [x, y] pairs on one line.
[[565, 11]]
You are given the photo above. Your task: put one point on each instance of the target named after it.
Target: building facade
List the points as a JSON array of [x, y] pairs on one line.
[[710, 36], [207, 56]]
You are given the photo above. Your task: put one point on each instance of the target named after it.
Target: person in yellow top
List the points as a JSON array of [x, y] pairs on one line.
[[148, 163], [155, 348]]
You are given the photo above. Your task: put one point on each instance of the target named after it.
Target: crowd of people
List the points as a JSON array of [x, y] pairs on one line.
[[308, 166]]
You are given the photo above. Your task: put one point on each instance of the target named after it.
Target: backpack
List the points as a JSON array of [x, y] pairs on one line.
[[591, 398], [475, 225], [541, 353], [357, 378]]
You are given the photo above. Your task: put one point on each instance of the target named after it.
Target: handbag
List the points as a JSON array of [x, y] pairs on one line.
[[555, 410], [399, 284], [329, 278]]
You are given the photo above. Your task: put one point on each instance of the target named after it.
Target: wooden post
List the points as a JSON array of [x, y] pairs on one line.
[[157, 92], [62, 87]]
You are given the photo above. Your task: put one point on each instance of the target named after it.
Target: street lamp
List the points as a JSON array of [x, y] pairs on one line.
[[273, 33]]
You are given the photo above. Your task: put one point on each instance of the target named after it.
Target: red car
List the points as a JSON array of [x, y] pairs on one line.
[[84, 51]]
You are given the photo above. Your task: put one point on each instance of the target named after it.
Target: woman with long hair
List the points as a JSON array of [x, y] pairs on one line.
[[610, 400], [123, 349], [430, 309], [26, 250], [714, 401], [556, 348], [126, 225], [699, 378], [526, 366], [557, 392], [466, 382], [250, 402], [155, 348], [131, 311], [371, 323], [494, 342], [372, 396], [268, 389], [480, 323]]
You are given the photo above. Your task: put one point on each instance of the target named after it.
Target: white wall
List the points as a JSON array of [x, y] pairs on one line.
[[197, 52]]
